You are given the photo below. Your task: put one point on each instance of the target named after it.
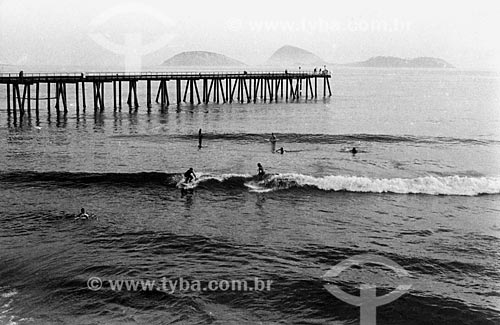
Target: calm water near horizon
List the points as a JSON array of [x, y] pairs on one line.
[[423, 190]]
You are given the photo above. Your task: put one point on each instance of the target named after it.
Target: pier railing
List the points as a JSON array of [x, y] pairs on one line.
[[150, 75]]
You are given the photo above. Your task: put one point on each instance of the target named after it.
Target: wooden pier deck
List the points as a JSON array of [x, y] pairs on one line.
[[216, 87]]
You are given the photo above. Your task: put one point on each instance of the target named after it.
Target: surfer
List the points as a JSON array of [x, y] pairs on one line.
[[273, 140], [281, 150], [82, 215], [200, 138], [353, 151], [261, 171], [189, 175]]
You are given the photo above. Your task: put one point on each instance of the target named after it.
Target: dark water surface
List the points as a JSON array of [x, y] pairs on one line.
[[423, 191]]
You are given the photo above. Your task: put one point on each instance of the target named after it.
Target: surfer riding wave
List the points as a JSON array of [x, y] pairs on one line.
[[189, 175]]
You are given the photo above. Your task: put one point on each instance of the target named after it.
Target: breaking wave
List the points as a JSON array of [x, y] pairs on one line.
[[430, 185], [448, 185]]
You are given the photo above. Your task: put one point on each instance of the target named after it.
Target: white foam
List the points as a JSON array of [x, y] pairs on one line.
[[220, 178], [449, 185], [256, 188], [9, 294], [5, 311]]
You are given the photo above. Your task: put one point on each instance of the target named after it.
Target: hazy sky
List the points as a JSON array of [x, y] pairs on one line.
[[87, 33]]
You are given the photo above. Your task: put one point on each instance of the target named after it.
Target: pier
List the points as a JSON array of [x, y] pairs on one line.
[[24, 89]]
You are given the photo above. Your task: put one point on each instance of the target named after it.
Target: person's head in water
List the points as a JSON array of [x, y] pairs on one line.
[[354, 151], [82, 215], [259, 165]]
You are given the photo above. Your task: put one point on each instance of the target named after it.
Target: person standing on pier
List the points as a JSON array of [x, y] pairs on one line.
[[200, 139]]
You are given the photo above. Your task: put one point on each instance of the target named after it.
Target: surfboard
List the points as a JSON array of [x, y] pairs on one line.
[[187, 186], [256, 184], [255, 187]]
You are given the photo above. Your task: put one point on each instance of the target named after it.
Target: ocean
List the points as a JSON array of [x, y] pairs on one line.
[[423, 191]]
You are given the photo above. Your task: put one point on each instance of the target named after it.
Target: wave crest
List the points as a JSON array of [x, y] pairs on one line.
[[448, 185]]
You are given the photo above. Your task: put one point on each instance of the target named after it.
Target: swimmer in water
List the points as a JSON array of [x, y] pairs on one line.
[[82, 215], [354, 151], [261, 171], [189, 175]]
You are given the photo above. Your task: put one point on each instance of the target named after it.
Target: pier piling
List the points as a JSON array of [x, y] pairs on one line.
[[37, 101], [77, 98], [8, 98], [27, 88], [84, 104], [48, 98]]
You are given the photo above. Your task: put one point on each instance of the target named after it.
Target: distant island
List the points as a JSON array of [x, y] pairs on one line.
[[294, 56], [202, 58], [395, 62]]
